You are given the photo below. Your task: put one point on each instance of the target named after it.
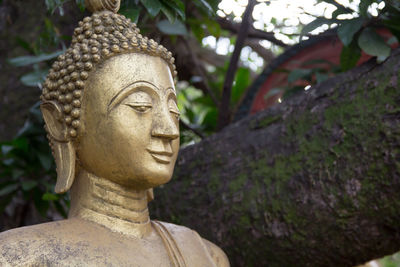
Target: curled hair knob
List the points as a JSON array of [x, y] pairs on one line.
[[103, 5]]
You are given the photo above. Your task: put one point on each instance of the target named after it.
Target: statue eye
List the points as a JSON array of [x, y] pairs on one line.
[[173, 108], [175, 113], [140, 107]]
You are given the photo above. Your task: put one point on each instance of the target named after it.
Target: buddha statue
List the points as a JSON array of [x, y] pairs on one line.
[[110, 110]]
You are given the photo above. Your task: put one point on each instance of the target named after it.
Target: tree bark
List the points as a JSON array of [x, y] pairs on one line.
[[313, 181]]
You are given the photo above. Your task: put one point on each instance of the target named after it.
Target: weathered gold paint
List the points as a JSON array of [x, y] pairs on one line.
[[125, 143]]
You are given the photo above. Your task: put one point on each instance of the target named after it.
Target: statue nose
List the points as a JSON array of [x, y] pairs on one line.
[[164, 126]]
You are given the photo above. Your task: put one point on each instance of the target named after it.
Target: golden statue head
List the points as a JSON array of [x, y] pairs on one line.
[[109, 104]]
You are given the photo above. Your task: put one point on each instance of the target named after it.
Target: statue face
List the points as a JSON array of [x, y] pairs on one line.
[[130, 126]]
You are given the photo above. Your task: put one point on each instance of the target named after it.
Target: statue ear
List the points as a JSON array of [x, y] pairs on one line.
[[63, 149], [52, 115]]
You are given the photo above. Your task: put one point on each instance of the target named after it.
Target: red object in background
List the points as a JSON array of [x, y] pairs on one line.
[[327, 48]]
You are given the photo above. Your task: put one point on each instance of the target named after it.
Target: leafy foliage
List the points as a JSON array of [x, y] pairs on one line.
[[360, 32], [309, 73], [27, 169]]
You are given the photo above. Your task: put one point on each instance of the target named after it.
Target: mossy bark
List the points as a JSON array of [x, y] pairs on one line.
[[314, 181]]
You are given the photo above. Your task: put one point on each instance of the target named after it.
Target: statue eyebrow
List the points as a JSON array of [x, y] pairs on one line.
[[126, 91], [172, 92]]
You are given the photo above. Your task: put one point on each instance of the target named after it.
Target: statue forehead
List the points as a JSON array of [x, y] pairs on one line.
[[117, 74], [124, 69]]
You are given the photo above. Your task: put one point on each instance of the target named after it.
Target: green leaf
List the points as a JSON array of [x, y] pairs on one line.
[[28, 60], [210, 119], [132, 13], [349, 56], [20, 143], [27, 129], [8, 189], [363, 7], [24, 44], [171, 16], [206, 101], [197, 29], [213, 27], [81, 4], [176, 5], [373, 44], [181, 99], [52, 5], [299, 74], [34, 78], [242, 81], [49, 197], [176, 28], [206, 6], [315, 24], [28, 185], [348, 28], [152, 6], [214, 4]]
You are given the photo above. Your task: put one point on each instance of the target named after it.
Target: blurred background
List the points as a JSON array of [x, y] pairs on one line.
[[234, 58]]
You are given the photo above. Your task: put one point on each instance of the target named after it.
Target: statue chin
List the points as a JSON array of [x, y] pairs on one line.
[[111, 114], [143, 183]]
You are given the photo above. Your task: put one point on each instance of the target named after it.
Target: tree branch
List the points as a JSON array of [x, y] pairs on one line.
[[266, 54], [313, 181], [252, 32], [201, 72], [195, 131], [224, 115]]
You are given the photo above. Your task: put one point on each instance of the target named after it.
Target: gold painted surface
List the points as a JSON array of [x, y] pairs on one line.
[[112, 120]]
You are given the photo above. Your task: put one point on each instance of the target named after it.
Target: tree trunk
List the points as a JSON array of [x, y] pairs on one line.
[[314, 181]]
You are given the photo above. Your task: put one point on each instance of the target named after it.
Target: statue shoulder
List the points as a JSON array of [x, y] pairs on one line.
[[26, 246], [194, 243], [18, 236], [38, 231], [18, 246], [217, 254]]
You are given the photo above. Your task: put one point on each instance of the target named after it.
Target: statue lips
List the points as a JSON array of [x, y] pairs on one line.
[[161, 156]]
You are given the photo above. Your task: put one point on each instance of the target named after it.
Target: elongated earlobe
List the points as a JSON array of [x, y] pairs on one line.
[[63, 149], [64, 155]]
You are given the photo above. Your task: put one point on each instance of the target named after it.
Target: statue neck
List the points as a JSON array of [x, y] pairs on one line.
[[111, 205]]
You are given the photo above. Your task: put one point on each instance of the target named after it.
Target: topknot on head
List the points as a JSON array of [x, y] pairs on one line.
[[103, 5]]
